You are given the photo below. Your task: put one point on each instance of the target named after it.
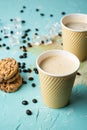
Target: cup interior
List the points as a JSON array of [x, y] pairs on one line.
[[73, 18], [48, 53]]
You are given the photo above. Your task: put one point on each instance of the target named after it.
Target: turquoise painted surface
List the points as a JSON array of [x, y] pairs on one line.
[[12, 112]]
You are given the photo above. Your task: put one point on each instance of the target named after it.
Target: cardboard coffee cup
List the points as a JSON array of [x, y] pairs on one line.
[[75, 37], [56, 88]]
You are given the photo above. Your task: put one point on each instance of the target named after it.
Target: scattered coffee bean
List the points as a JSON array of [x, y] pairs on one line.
[[25, 55], [28, 112], [21, 11], [11, 20], [3, 44], [37, 10], [37, 29], [25, 70], [63, 13], [24, 102], [28, 30], [21, 56], [20, 70], [35, 70], [33, 85], [29, 70], [0, 39], [23, 66], [0, 45], [23, 63], [19, 63], [24, 7], [23, 21], [59, 34], [5, 36], [78, 73], [28, 39], [11, 32], [36, 34], [51, 15], [23, 37], [24, 82], [29, 45], [42, 42], [31, 78], [34, 100], [42, 14], [24, 41], [7, 47]]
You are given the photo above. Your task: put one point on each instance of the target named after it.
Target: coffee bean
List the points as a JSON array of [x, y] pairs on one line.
[[37, 10], [28, 30], [34, 100], [29, 45], [29, 70], [21, 56], [24, 41], [24, 7], [28, 39], [3, 44], [31, 78], [59, 34], [42, 14], [78, 73], [33, 85], [24, 82], [25, 71], [37, 29], [7, 47], [11, 32], [51, 15], [0, 39], [5, 36], [36, 34], [42, 42], [24, 102], [11, 20], [28, 112], [63, 13], [21, 11], [35, 70], [23, 21]]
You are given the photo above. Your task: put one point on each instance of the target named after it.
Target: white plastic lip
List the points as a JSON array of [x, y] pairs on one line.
[[49, 53], [74, 16]]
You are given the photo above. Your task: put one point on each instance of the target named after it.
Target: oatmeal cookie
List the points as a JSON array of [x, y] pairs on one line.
[[13, 86], [8, 68]]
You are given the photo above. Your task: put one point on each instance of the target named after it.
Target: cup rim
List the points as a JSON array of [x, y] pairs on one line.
[[72, 14], [60, 51]]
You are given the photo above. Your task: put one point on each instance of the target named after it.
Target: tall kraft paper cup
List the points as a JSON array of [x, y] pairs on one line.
[[75, 41], [56, 89]]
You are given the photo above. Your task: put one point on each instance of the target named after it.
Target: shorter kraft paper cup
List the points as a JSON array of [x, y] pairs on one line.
[[75, 40], [56, 89]]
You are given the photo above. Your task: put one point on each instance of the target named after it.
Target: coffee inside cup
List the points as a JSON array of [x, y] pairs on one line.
[[77, 26], [58, 64]]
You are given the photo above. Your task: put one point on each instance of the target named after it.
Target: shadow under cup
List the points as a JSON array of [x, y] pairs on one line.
[[75, 40], [56, 88]]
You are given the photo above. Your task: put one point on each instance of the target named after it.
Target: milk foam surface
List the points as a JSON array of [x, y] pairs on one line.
[[58, 65], [77, 26]]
